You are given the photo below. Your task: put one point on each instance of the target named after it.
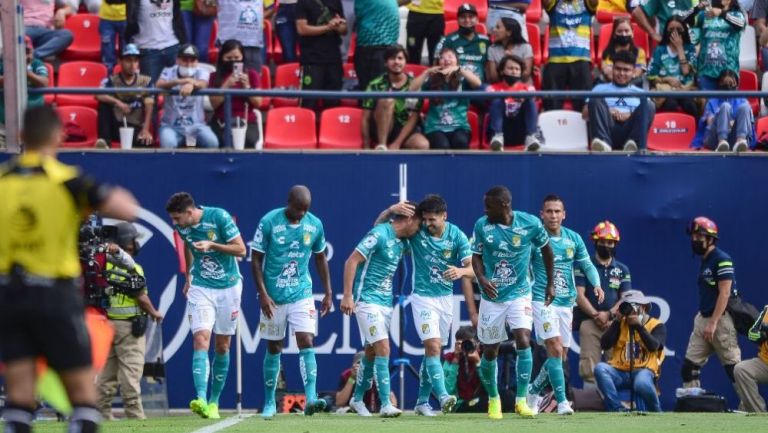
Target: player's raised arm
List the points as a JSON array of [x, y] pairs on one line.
[[402, 208]]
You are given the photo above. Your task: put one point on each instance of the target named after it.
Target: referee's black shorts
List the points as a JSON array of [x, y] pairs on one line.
[[43, 318]]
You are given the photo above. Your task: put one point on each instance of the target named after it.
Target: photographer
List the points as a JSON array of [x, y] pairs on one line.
[[462, 377], [646, 352], [128, 313], [750, 373], [347, 388]]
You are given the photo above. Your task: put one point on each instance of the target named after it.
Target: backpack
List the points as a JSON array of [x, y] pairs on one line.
[[702, 403]]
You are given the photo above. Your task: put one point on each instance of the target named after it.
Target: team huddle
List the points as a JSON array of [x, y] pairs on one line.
[[523, 265]]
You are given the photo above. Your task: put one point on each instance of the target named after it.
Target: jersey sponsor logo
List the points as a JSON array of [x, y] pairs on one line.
[[312, 313], [560, 283], [485, 319], [488, 227], [425, 314], [372, 331], [490, 333], [520, 231], [447, 254], [614, 282], [309, 228], [249, 16], [294, 245], [289, 276], [547, 326], [211, 235], [279, 228], [503, 245], [307, 238], [210, 268], [569, 253], [503, 274], [516, 240], [234, 315], [369, 242], [425, 328], [280, 240], [435, 276]]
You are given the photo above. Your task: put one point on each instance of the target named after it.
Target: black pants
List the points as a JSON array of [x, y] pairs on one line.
[[688, 105], [369, 64], [422, 26], [456, 140], [602, 125], [321, 76], [109, 127], [570, 76]]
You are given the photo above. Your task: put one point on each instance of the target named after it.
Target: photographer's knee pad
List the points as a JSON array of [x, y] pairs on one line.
[[729, 371], [690, 371]]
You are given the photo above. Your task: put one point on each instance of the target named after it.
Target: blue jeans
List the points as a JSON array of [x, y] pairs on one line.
[[109, 30], [516, 128], [172, 137], [707, 83], [48, 42], [152, 62], [721, 129], [285, 27], [198, 32], [610, 381]]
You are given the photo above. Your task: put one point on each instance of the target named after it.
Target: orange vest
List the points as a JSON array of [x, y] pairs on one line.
[[643, 358]]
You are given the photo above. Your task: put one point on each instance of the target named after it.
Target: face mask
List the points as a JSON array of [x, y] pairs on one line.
[[623, 40], [466, 31], [604, 252], [699, 247], [511, 80], [186, 71]]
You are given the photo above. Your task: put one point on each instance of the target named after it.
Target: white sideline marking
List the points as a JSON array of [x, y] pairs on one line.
[[221, 425]]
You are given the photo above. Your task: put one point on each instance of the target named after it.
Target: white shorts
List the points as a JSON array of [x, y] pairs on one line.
[[373, 321], [433, 316], [301, 315], [214, 310], [493, 315], [552, 321]]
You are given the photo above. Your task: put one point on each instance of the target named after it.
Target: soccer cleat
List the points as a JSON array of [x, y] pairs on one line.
[[494, 408], [213, 411], [723, 146], [599, 145], [424, 409], [447, 403], [533, 401], [359, 407], [564, 408], [270, 408], [497, 142], [199, 406], [390, 411], [523, 410], [313, 407]]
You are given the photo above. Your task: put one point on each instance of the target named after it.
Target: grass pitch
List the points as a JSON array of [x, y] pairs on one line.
[[547, 423]]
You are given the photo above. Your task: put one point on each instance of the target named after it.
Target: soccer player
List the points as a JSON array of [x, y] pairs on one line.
[[213, 289], [501, 258], [369, 270], [282, 246], [553, 323]]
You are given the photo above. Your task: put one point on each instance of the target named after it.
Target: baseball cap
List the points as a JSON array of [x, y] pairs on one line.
[[28, 43], [130, 50], [188, 50], [635, 297], [467, 8]]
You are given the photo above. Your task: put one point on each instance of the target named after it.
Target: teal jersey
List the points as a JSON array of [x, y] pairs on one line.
[[506, 252], [373, 278], [431, 257], [287, 249], [569, 250], [212, 269]]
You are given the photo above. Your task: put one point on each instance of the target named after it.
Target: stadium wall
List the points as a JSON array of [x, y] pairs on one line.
[[650, 198]]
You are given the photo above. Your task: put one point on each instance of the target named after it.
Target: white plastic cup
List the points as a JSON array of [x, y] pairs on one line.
[[238, 138], [126, 137], [191, 139]]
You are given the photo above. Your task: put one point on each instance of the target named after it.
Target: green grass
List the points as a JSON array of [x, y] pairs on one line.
[[579, 423]]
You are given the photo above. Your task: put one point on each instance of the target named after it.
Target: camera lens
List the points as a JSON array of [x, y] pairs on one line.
[[468, 346]]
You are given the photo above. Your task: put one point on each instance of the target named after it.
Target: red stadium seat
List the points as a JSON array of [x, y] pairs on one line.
[[290, 128], [453, 25], [640, 37], [86, 44], [80, 74], [762, 129], [605, 17], [474, 126], [748, 81], [84, 117], [265, 81], [351, 49], [287, 76], [671, 132], [485, 140], [534, 12], [534, 38], [350, 77], [340, 128], [452, 6]]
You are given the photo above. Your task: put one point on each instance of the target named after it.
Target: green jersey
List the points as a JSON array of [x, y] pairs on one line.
[[373, 279], [212, 269], [447, 115], [664, 9], [287, 248], [719, 40], [402, 109], [431, 257], [472, 53], [665, 63], [569, 250], [506, 252]]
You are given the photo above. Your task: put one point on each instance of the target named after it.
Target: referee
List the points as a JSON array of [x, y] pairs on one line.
[[42, 203]]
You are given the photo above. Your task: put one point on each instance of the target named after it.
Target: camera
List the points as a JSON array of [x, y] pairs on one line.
[[627, 308], [468, 346]]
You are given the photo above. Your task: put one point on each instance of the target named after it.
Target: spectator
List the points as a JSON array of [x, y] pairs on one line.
[[508, 40], [759, 13], [513, 120], [622, 39], [727, 123], [660, 11], [378, 26], [198, 16], [619, 123], [720, 28], [320, 24], [673, 67], [285, 29], [645, 345], [232, 74], [243, 20], [347, 387], [462, 376], [184, 116], [392, 122], [46, 27], [446, 124], [37, 76], [514, 9], [426, 22], [570, 59], [133, 109], [713, 329], [470, 46], [750, 373], [157, 28], [92, 6], [111, 27]]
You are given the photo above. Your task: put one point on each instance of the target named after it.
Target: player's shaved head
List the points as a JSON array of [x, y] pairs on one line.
[[499, 192], [299, 200]]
